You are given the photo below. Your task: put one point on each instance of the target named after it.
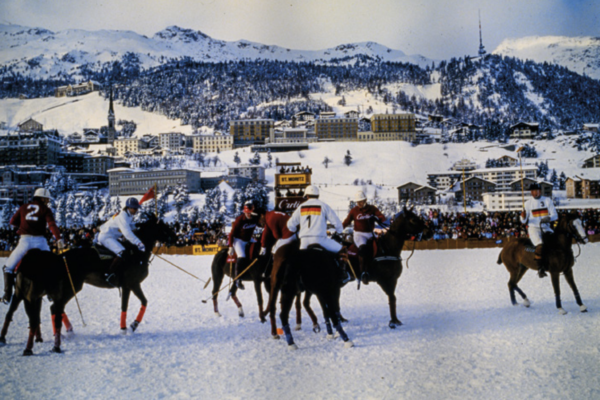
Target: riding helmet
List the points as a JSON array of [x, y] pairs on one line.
[[132, 202], [311, 191], [42, 192]]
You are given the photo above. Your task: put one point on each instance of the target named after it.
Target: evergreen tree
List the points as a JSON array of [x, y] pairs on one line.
[[270, 158], [326, 162], [562, 181], [554, 179], [236, 158], [255, 160]]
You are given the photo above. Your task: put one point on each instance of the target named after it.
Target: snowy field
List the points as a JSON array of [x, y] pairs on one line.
[[461, 339]]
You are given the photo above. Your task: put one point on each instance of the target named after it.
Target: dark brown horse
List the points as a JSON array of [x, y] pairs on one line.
[[319, 273], [86, 266], [255, 273], [386, 266], [518, 256]]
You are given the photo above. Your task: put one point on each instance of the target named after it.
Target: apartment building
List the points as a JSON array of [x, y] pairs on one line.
[[212, 143], [336, 129], [127, 181], [250, 131]]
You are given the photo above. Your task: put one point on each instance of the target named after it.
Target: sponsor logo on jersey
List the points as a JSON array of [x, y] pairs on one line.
[[310, 210], [540, 212], [249, 226]]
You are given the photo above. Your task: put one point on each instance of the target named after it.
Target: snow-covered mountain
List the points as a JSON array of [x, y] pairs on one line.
[[579, 54], [41, 53]]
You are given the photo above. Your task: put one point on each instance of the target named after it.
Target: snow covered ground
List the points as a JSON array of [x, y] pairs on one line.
[[461, 339]]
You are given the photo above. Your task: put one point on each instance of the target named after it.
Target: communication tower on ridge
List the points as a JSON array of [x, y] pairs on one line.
[[481, 48]]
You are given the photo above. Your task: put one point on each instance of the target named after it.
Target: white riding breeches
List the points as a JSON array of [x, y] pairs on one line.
[[240, 247], [111, 243], [535, 234], [360, 238], [26, 243], [282, 242], [326, 242]]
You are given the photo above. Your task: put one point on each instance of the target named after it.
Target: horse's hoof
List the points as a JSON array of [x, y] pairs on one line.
[[123, 331], [316, 328], [348, 344], [2, 342], [330, 336], [526, 303], [276, 337], [56, 349], [562, 311], [241, 313], [27, 352], [218, 314], [39, 340], [298, 327], [583, 308], [394, 324], [293, 346], [134, 326]]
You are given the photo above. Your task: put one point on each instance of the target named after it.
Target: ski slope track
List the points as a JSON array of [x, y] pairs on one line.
[[461, 339]]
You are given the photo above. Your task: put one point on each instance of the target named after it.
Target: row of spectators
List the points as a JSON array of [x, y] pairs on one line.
[[441, 225]]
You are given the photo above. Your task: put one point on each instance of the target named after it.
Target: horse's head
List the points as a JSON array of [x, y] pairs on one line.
[[407, 222], [156, 230], [572, 225]]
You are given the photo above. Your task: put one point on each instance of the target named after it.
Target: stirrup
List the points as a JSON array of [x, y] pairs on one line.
[[364, 277], [239, 284]]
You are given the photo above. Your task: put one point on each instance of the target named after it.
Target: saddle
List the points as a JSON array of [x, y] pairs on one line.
[[353, 250], [103, 252], [250, 247]]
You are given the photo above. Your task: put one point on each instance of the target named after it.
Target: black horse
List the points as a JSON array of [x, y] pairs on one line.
[[85, 266], [255, 273], [386, 266], [518, 257], [318, 272]]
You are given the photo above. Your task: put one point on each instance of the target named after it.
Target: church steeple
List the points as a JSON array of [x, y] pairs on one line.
[[112, 132], [481, 48]]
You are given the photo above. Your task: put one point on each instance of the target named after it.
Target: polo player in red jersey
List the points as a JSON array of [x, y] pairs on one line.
[[31, 220]]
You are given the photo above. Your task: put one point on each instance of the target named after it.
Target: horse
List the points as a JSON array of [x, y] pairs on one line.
[[220, 268], [386, 266], [518, 257], [318, 272], [86, 266], [38, 276]]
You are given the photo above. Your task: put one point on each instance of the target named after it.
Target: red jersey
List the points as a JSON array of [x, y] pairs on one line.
[[362, 218], [275, 228], [31, 219], [242, 228]]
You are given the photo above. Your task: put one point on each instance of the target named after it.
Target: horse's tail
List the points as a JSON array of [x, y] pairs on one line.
[[499, 261]]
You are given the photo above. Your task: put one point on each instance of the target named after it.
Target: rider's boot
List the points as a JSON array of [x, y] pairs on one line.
[[111, 276], [9, 282], [240, 264], [540, 262], [363, 263]]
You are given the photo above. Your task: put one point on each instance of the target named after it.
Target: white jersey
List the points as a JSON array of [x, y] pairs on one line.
[[312, 216], [536, 210], [119, 225]]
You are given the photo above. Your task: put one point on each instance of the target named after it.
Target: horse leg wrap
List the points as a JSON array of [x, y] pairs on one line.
[[38, 335], [288, 335], [67, 323], [341, 331], [513, 300], [578, 299], [138, 319], [328, 327], [558, 302], [29, 346], [123, 319]]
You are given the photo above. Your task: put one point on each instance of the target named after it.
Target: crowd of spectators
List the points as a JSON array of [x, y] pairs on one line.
[[441, 225]]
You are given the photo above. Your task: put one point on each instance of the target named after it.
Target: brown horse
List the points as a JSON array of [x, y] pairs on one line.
[[386, 266], [86, 266], [518, 256], [221, 268]]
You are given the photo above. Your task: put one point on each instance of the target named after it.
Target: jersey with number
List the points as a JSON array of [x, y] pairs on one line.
[[275, 228], [538, 209], [31, 219], [364, 218], [312, 216]]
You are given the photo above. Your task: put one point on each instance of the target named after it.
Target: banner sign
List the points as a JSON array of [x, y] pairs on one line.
[[292, 179], [206, 249], [288, 204]]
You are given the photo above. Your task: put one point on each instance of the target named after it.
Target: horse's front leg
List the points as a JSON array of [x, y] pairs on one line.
[[259, 298], [556, 285], [57, 310], [571, 281], [287, 299], [137, 290], [389, 288], [334, 307], [124, 305], [311, 313]]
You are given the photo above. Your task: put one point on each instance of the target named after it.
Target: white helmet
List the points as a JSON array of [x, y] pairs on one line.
[[311, 191], [42, 192], [360, 196]]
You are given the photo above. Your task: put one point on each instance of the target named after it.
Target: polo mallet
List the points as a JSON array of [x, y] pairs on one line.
[[240, 274], [73, 287]]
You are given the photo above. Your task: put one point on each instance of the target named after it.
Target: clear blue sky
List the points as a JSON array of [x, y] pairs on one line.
[[434, 28]]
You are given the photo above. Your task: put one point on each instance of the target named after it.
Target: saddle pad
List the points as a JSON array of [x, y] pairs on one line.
[[103, 252]]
